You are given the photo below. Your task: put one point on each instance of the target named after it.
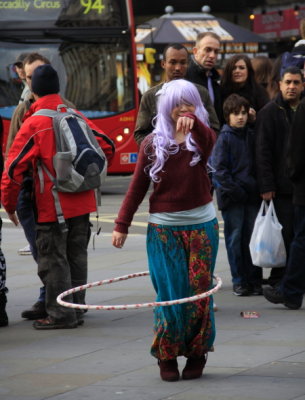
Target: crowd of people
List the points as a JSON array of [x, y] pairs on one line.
[[238, 134], [255, 157]]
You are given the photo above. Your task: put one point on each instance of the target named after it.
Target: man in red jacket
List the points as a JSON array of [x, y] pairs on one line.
[[62, 256]]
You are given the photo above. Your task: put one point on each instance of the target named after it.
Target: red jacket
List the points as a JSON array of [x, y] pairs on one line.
[[36, 141]]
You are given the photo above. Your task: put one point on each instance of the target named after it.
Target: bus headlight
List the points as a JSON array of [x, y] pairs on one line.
[[119, 138]]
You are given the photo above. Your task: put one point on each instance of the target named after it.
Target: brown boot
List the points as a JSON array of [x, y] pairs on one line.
[[194, 367], [169, 370]]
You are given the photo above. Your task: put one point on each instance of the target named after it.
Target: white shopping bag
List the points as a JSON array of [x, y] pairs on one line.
[[267, 245]]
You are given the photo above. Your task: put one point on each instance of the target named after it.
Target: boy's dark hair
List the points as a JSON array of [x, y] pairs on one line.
[[233, 104]]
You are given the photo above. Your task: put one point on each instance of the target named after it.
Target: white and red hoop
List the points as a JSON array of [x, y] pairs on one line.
[[130, 306]]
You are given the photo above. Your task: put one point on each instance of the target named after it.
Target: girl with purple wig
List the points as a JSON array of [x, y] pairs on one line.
[[182, 234]]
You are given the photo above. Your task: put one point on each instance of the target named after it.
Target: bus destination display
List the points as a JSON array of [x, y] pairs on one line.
[[61, 13]]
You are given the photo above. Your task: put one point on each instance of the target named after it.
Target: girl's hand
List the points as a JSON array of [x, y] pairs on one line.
[[118, 239], [184, 124]]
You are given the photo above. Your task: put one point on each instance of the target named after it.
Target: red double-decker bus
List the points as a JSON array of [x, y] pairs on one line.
[[91, 45]]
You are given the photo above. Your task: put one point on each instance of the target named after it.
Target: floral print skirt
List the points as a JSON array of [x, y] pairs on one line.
[[181, 262]]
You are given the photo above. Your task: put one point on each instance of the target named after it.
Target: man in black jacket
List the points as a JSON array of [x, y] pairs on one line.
[[292, 287], [201, 69], [273, 125]]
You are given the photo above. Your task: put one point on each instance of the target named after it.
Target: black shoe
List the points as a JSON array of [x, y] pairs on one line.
[[276, 297], [240, 290], [3, 314], [256, 290], [37, 311]]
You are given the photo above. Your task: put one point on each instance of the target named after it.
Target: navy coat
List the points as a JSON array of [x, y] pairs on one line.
[[232, 162]]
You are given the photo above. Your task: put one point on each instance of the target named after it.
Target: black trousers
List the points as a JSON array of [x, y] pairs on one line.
[[285, 212], [293, 283]]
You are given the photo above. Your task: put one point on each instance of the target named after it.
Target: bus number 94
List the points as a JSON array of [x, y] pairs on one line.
[[92, 5]]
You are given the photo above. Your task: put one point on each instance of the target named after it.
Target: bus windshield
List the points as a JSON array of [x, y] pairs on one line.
[[91, 45], [96, 78]]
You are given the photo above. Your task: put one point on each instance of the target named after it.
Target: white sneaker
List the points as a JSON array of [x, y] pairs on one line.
[[25, 251]]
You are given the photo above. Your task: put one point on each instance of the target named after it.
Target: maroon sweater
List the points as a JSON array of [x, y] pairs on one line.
[[181, 187]]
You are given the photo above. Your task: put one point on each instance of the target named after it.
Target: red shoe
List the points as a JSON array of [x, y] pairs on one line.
[[169, 370], [194, 367]]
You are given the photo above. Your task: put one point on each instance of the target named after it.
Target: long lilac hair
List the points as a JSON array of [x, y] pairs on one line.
[[171, 95]]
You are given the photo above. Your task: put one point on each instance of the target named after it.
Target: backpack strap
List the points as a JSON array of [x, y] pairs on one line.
[[69, 109], [45, 112], [59, 212], [40, 176], [60, 106], [97, 194]]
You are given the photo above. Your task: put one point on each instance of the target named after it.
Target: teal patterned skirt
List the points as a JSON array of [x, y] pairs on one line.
[[181, 263]]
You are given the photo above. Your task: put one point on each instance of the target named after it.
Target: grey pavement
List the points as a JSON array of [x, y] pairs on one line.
[[108, 357]]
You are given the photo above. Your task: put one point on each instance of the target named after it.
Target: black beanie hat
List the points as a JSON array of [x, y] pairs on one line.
[[45, 80]]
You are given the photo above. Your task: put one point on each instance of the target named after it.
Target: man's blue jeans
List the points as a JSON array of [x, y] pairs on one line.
[[26, 216], [293, 283], [238, 226]]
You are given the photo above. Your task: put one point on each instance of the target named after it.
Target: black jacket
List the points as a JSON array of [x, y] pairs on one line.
[[233, 163], [296, 155], [272, 128], [196, 74]]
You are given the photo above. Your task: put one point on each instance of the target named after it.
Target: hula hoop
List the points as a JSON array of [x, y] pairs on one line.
[[130, 306]]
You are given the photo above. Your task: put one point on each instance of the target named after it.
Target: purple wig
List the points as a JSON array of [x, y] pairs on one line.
[[172, 94]]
